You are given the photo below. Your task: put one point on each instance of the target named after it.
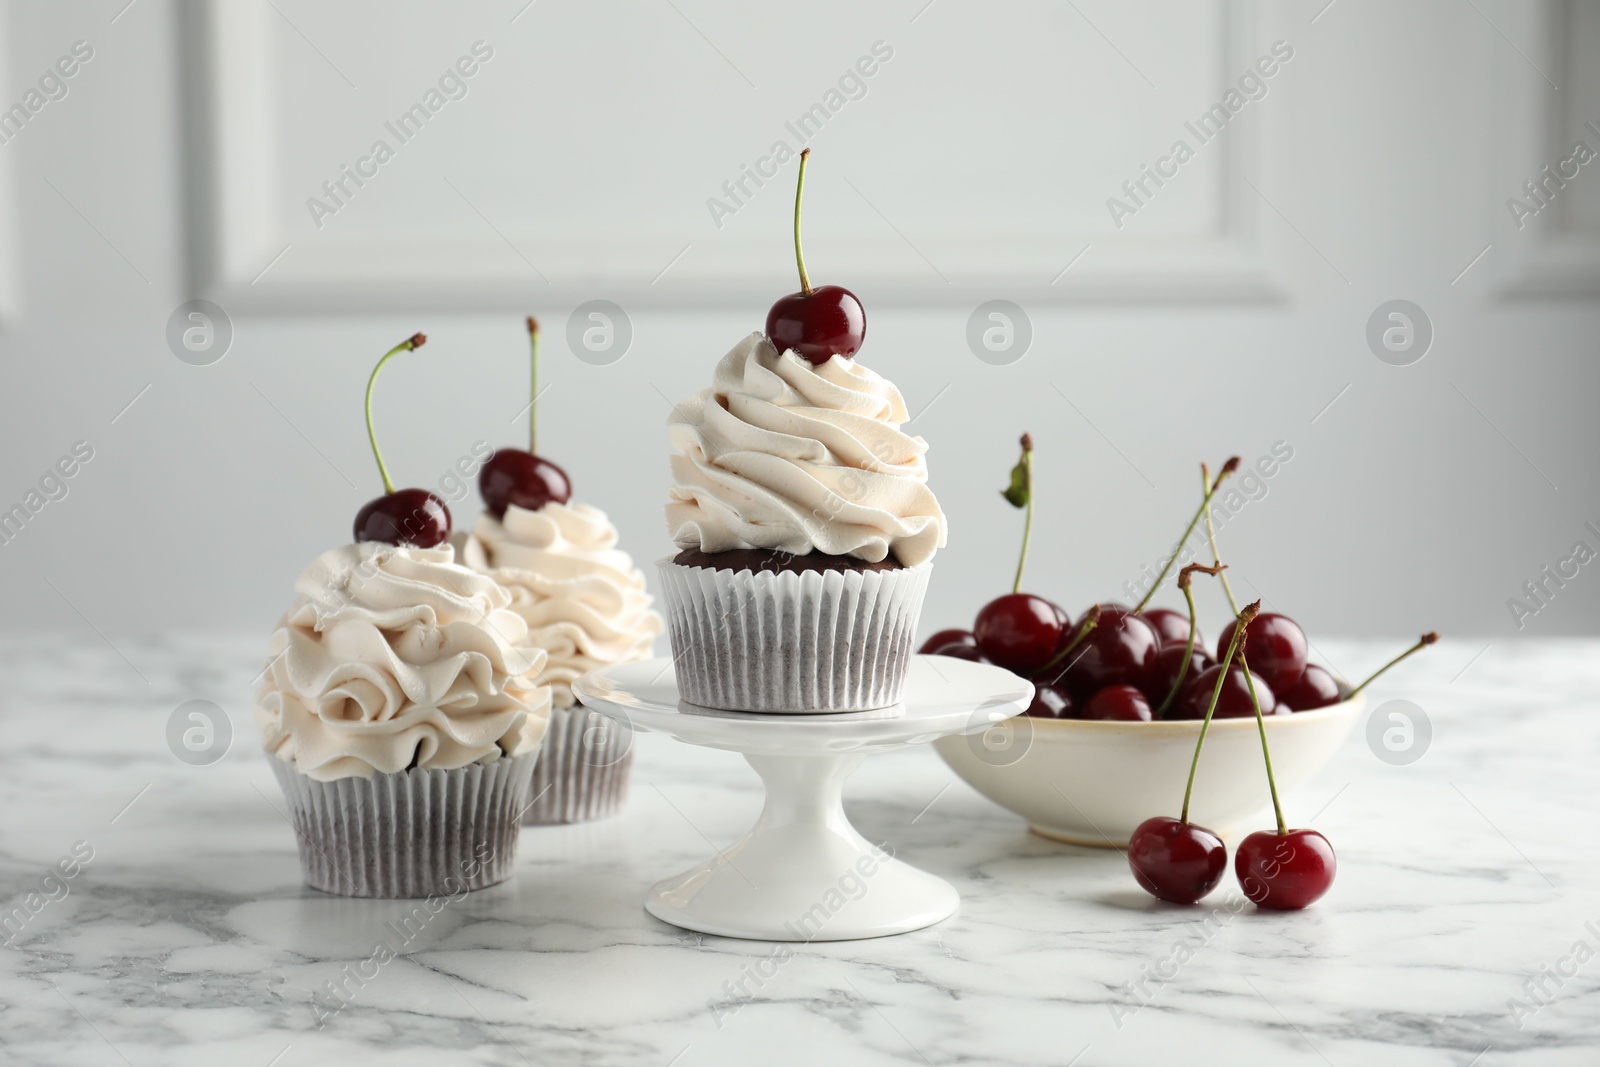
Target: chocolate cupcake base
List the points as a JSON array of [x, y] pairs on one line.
[[800, 641], [582, 770], [411, 834]]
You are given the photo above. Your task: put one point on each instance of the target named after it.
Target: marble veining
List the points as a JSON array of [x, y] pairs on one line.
[[1464, 926]]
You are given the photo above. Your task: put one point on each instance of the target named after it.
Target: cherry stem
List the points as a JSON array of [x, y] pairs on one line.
[[1211, 537], [1205, 502], [1245, 618], [1188, 648], [1027, 522], [533, 387], [1261, 726], [1091, 619], [416, 340], [1427, 639], [799, 188]]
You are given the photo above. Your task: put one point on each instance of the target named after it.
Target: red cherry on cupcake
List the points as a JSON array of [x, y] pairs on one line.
[[1118, 703], [817, 324], [947, 639], [1286, 870], [526, 479], [1019, 631], [413, 517], [1275, 647], [1176, 861], [1315, 689]]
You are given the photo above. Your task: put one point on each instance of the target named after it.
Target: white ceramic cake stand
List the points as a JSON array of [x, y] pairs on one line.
[[803, 873]]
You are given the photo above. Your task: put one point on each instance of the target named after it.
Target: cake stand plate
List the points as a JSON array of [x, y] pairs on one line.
[[803, 873]]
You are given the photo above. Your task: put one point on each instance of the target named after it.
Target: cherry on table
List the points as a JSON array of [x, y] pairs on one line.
[[1234, 702], [1117, 703], [1176, 861], [1317, 688], [1274, 646], [1171, 627], [947, 639], [513, 476], [1019, 631], [1284, 871]]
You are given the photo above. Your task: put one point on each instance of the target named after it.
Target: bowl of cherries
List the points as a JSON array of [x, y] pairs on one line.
[[1124, 694]]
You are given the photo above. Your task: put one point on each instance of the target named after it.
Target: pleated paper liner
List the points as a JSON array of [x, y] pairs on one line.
[[582, 771]]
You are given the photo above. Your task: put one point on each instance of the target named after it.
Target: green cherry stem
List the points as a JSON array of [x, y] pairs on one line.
[[1026, 463], [799, 256], [1091, 619], [1245, 618], [533, 388], [416, 340], [1205, 503], [1261, 725], [1211, 539], [1427, 639], [1184, 581]]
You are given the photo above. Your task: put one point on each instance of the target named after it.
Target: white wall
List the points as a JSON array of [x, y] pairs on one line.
[[1222, 317]]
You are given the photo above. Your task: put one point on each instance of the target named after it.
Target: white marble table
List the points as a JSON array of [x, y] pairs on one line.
[[188, 939]]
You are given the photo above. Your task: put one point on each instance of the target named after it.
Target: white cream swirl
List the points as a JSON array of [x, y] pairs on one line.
[[393, 658], [581, 596], [784, 455]]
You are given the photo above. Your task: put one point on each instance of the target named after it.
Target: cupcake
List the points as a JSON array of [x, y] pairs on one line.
[[585, 605], [402, 707], [583, 601]]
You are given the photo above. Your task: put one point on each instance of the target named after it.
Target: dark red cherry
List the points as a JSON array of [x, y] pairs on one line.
[[1120, 650], [412, 517], [1165, 672], [1285, 872], [1117, 703], [1171, 627], [1234, 703], [1019, 631], [969, 653], [512, 476], [1274, 646], [1050, 702], [1315, 689], [829, 321], [947, 638], [1176, 861]]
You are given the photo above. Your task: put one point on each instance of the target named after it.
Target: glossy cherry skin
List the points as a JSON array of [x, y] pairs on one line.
[[1176, 861], [412, 517], [1165, 673], [1285, 872], [1274, 646], [512, 476], [1315, 689], [1117, 703], [1050, 702], [1234, 703], [969, 653], [1019, 631], [945, 639], [1171, 627], [829, 321], [1120, 650]]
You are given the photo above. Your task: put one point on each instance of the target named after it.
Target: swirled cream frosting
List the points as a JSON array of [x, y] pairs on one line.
[[784, 455], [583, 600], [396, 657]]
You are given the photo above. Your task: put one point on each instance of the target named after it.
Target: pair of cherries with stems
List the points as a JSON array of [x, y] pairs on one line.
[[419, 518], [1180, 862]]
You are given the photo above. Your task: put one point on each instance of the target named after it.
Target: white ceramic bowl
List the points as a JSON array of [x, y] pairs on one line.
[[1093, 783]]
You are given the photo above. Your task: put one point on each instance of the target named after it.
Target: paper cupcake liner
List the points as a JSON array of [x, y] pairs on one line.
[[415, 833], [582, 770], [792, 641]]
